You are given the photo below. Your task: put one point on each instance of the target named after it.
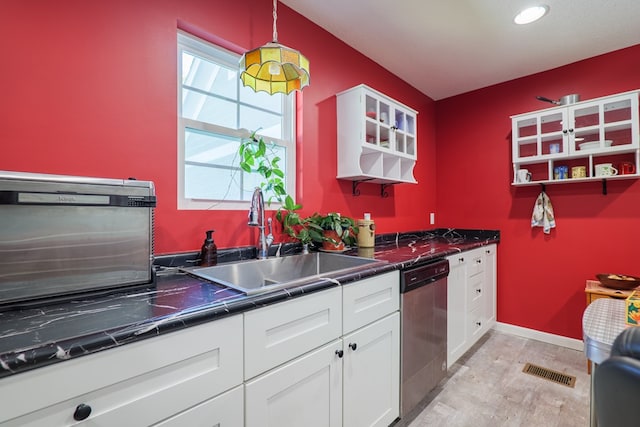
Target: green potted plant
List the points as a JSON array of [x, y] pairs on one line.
[[297, 227], [337, 230]]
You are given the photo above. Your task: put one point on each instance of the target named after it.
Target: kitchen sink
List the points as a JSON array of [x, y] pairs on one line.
[[266, 275]]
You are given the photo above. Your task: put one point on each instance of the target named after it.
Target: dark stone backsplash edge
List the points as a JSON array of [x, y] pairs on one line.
[[242, 253]]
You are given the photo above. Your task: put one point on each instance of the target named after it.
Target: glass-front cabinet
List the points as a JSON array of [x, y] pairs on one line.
[[377, 138], [595, 139]]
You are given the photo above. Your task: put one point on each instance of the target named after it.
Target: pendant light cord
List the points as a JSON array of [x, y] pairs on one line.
[[275, 18]]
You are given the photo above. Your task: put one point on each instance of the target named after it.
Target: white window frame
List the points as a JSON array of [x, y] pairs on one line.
[[219, 54]]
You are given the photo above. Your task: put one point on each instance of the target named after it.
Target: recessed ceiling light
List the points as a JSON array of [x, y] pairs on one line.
[[531, 14]]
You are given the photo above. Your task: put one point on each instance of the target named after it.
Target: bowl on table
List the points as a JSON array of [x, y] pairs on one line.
[[619, 281]]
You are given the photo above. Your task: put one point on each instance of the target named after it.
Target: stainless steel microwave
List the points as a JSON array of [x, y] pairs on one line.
[[64, 234]]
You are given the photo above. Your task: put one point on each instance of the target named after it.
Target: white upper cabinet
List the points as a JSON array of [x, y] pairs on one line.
[[377, 138], [553, 145]]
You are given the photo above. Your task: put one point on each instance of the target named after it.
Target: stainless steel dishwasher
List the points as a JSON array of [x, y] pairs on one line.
[[423, 305]]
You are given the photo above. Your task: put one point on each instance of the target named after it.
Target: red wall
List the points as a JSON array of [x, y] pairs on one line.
[[89, 88], [541, 277]]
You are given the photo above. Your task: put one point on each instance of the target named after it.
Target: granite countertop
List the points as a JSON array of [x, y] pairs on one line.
[[39, 335]]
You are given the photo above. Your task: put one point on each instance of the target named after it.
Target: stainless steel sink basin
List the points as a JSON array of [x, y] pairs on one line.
[[265, 275]]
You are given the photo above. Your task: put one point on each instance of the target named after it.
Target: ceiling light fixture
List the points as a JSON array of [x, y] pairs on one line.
[[531, 14], [274, 68]]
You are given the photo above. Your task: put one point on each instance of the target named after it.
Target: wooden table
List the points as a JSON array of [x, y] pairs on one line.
[[595, 290]]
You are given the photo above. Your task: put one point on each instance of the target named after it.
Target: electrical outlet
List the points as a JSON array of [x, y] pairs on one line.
[[432, 218]]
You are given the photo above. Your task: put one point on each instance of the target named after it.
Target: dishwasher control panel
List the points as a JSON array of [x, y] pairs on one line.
[[423, 275]]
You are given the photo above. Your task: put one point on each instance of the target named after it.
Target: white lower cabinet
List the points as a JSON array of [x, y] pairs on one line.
[[351, 381], [139, 384], [471, 299], [304, 392], [371, 370]]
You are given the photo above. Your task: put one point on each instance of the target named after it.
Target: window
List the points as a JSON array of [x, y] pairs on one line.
[[215, 113]]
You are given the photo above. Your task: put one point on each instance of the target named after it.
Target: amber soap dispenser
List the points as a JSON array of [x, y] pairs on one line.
[[209, 251]]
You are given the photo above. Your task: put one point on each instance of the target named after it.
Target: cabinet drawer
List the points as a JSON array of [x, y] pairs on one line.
[[475, 290], [281, 332], [476, 325], [226, 410], [476, 262], [489, 249], [369, 299], [143, 382], [460, 259]]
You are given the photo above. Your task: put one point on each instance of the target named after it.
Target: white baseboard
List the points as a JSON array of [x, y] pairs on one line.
[[540, 336]]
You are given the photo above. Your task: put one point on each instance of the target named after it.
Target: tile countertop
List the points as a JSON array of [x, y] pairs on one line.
[[31, 337]]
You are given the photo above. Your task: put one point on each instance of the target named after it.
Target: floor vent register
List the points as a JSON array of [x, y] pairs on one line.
[[548, 374]]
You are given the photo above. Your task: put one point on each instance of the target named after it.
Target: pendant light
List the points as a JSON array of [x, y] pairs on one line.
[[274, 68]]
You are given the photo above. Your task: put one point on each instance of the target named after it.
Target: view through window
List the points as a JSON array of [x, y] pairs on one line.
[[215, 113]]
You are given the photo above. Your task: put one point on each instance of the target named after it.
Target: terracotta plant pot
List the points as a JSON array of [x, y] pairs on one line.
[[328, 244]]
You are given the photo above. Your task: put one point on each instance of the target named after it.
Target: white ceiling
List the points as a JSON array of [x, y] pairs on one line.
[[447, 47]]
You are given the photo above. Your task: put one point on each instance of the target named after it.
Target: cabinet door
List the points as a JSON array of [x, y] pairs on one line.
[[379, 113], [553, 133], [456, 308], [609, 124], [490, 285], [226, 410], [539, 134], [280, 332], [403, 127], [584, 125], [371, 370], [304, 392]]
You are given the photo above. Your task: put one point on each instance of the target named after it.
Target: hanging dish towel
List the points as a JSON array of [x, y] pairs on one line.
[[543, 213]]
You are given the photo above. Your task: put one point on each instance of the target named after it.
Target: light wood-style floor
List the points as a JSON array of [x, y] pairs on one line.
[[487, 388]]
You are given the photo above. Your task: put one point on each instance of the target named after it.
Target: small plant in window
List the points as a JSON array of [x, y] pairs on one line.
[[256, 156]]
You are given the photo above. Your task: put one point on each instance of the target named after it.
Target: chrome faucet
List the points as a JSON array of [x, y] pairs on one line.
[[256, 219]]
